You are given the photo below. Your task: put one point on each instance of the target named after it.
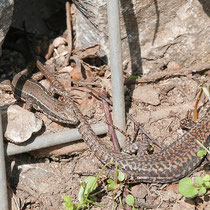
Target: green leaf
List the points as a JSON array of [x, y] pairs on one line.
[[91, 184], [111, 185], [129, 200], [68, 203], [201, 153], [66, 198], [81, 195], [121, 176], [206, 178], [109, 181], [186, 188], [88, 185], [207, 184], [203, 190], [199, 181], [134, 77]]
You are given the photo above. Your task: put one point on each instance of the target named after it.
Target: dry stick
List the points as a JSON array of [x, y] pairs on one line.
[[196, 105], [50, 52], [154, 141], [69, 30], [109, 120], [157, 76]]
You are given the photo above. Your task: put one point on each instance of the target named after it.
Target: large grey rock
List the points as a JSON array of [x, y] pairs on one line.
[[91, 24], [153, 32], [6, 10]]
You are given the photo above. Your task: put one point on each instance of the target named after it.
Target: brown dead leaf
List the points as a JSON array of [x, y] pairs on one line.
[[75, 74]]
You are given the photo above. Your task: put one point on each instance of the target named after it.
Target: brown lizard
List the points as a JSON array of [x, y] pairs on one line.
[[173, 163], [34, 94]]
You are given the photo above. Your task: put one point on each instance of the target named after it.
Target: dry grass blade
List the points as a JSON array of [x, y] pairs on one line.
[[196, 105]]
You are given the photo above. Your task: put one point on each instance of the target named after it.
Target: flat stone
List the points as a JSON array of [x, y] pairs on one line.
[[21, 124], [139, 191], [146, 94], [169, 195]]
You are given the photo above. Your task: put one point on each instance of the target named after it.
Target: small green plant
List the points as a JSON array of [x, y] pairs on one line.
[[204, 151], [134, 77], [190, 189], [201, 153], [112, 185], [85, 196], [130, 201]]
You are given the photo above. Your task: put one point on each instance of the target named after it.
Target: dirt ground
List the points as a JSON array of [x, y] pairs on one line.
[[40, 179]]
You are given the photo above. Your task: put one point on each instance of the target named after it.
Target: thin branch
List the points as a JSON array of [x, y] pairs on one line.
[[50, 52], [69, 30], [109, 120]]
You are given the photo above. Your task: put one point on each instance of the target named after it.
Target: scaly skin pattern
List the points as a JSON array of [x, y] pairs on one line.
[[35, 94], [173, 163]]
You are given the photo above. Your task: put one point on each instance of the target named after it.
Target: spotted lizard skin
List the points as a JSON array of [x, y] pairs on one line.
[[173, 163]]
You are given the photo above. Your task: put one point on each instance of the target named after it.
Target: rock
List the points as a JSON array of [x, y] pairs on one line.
[[146, 94], [166, 87], [6, 11], [173, 66], [96, 24], [21, 124], [152, 32], [190, 205], [153, 200], [139, 191], [170, 196], [59, 41]]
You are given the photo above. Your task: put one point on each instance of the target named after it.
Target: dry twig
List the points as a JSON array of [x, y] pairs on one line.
[[109, 120], [157, 76], [50, 52], [69, 30], [196, 105]]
